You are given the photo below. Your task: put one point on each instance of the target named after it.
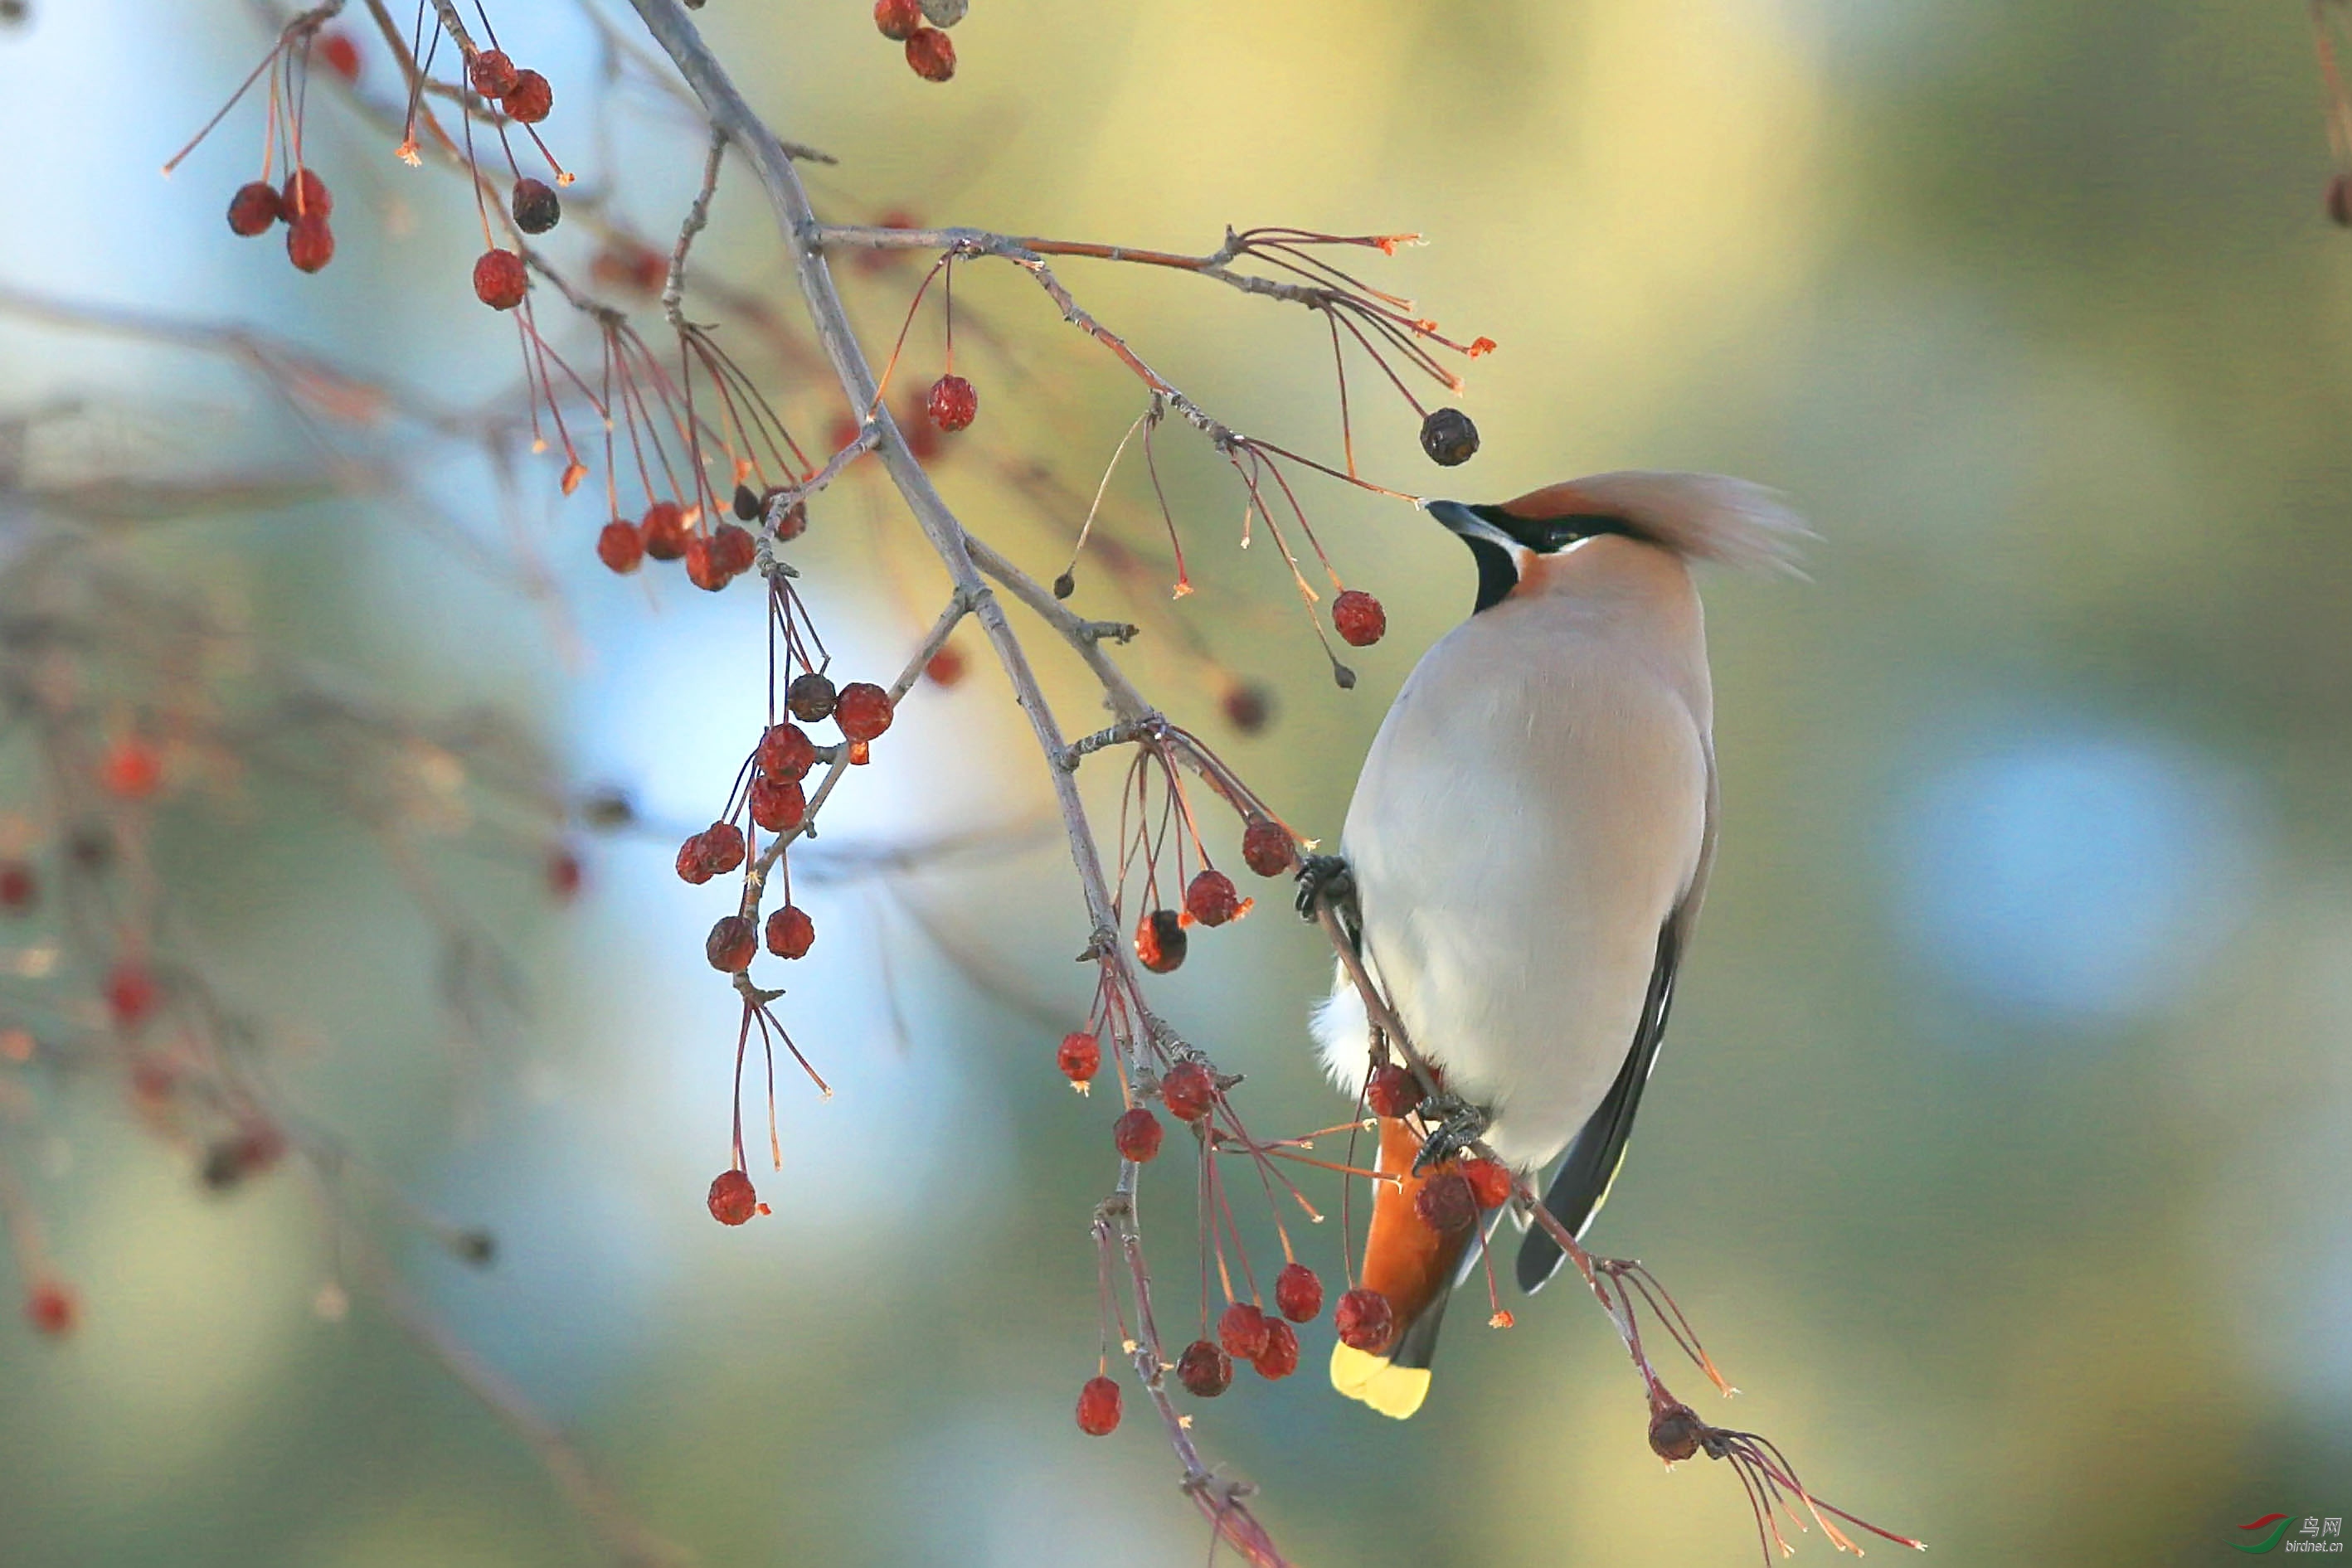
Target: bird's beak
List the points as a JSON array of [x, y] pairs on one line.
[[1460, 520]]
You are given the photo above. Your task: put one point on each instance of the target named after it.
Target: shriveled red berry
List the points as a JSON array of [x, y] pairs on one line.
[[500, 280], [536, 206], [132, 769], [1448, 436], [897, 20], [1160, 941], [130, 994], [1136, 1135], [1248, 707], [1080, 1056], [791, 932], [491, 73], [733, 1199], [930, 54], [786, 752], [1446, 1203], [733, 550], [1098, 1401], [790, 522], [1391, 1092], [530, 99], [1675, 1432], [1358, 618], [1242, 1330], [778, 804], [811, 697], [953, 403], [1364, 1319], [1298, 1293], [18, 886], [722, 843], [51, 1308], [1187, 1091], [341, 55], [1279, 1357], [863, 710], [254, 208], [944, 668], [306, 196], [1267, 848], [1206, 1369], [664, 530], [704, 569], [1490, 1181], [694, 860], [732, 943], [310, 243], [1212, 899], [619, 547]]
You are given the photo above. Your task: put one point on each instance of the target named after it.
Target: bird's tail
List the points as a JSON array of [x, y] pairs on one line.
[[1414, 1266]]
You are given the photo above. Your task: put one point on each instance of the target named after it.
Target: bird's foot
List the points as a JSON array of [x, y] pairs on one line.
[[1327, 879], [1454, 1124]]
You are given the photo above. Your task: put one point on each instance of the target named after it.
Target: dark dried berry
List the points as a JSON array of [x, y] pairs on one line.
[[1391, 1092], [1358, 618], [1212, 899], [536, 206], [254, 207], [1136, 1135], [500, 280], [1204, 1369], [1248, 707], [732, 943], [778, 804], [1080, 1056], [863, 710], [1242, 1330], [786, 752], [733, 1199], [1449, 437], [1279, 1357], [664, 530], [747, 504], [492, 73], [1187, 1091], [931, 55], [1160, 941], [1365, 1320], [1675, 1432], [1446, 1203], [619, 547], [811, 697], [952, 404], [1298, 1293], [1267, 848], [1066, 585], [530, 99], [1098, 1407], [791, 932]]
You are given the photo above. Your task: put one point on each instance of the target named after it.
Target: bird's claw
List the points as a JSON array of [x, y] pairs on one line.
[[1454, 1124], [1325, 879]]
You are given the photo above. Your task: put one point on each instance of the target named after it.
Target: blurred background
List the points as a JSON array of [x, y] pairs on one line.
[[2001, 1149]]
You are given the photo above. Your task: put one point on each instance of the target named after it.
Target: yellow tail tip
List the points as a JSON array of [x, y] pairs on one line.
[[1388, 1388]]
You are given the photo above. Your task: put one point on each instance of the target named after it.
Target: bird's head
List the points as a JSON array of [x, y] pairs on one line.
[[1698, 517]]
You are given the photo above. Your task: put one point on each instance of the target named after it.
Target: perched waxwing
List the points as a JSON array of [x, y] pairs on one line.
[[1524, 860]]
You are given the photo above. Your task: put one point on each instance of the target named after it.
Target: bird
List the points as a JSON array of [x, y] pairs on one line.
[[1523, 863]]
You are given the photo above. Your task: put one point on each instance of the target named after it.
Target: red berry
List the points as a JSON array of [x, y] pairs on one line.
[[1247, 706], [733, 1199], [811, 698], [722, 846], [254, 208], [500, 280], [952, 403], [898, 20], [1446, 1203], [342, 55], [18, 886], [1099, 1400], [1267, 848], [132, 769], [863, 710], [1242, 1330], [563, 874], [1160, 941], [536, 206], [1298, 1293], [51, 1308], [492, 74], [664, 530], [791, 523], [1279, 1358], [1079, 1057], [930, 54], [1136, 1134], [694, 860], [1391, 1092], [130, 995], [1490, 1181], [1358, 618], [733, 550], [530, 99], [1187, 1091], [619, 547], [944, 668], [1204, 1369], [786, 752], [791, 933], [1212, 899], [778, 804], [704, 569], [732, 943], [1365, 1320], [306, 196], [310, 243]]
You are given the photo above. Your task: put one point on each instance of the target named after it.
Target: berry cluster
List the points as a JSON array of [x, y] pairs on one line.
[[301, 200], [921, 25]]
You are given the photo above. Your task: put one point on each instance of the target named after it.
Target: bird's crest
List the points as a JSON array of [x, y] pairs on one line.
[[1701, 517]]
